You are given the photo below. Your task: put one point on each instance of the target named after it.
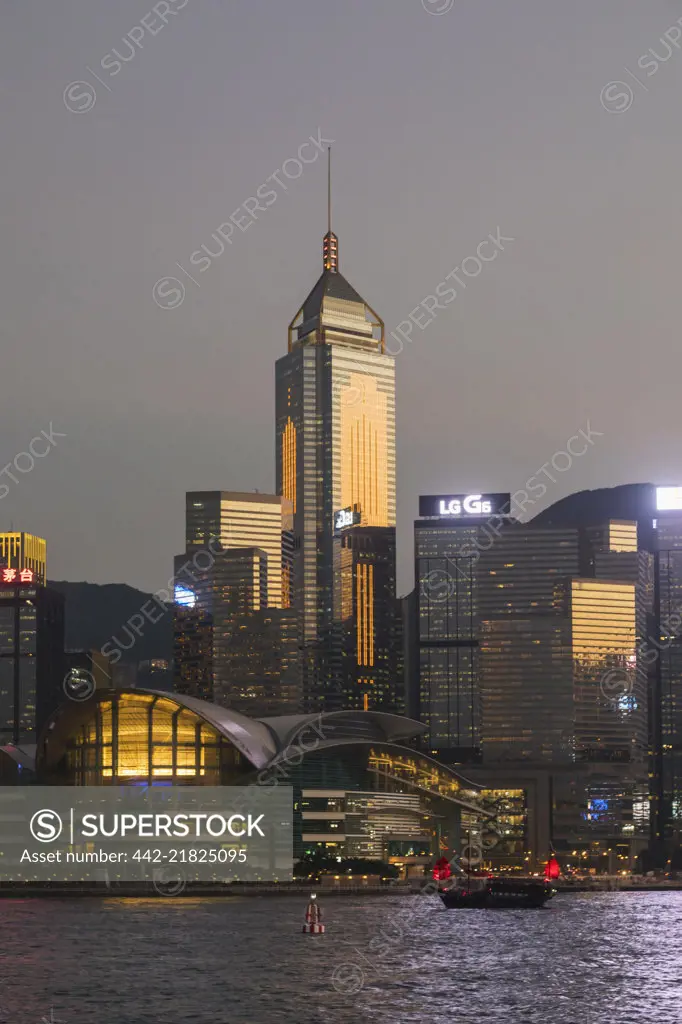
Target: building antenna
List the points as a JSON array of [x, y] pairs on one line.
[[329, 189], [330, 243]]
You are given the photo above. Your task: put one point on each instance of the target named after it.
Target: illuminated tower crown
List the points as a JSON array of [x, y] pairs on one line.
[[334, 311]]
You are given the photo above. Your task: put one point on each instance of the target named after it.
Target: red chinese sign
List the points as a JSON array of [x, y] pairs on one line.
[[17, 575]]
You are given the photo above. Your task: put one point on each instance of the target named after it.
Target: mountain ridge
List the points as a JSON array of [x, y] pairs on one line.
[[96, 613]]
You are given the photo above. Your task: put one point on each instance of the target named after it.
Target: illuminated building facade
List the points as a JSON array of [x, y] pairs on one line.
[[241, 519], [604, 639], [125, 735], [230, 646], [237, 640], [264, 663], [24, 551], [444, 658], [381, 801], [31, 658], [547, 639], [372, 825], [545, 678], [529, 659], [371, 645], [556, 645], [335, 453], [205, 614], [657, 512], [358, 791], [667, 673]]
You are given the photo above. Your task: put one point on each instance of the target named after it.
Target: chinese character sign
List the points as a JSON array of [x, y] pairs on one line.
[[17, 575]]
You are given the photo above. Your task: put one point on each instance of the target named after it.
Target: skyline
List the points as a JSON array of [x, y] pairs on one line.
[[340, 507], [157, 402]]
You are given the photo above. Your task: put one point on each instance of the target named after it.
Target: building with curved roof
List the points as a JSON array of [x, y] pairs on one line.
[[358, 790]]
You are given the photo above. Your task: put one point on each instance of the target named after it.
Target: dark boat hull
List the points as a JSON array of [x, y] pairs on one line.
[[503, 894]]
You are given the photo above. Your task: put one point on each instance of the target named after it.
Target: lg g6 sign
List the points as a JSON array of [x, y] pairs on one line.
[[461, 506], [472, 505]]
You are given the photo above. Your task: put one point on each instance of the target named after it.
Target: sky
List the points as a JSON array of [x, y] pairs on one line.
[[450, 121]]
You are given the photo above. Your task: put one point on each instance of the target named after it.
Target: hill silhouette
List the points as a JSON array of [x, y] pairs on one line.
[[97, 612]]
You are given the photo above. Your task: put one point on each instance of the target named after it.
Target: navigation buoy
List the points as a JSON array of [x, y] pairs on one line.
[[313, 918]]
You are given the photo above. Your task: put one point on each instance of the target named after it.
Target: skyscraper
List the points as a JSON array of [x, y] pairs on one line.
[[31, 657], [527, 637], [206, 613], [658, 514], [241, 519], [335, 453], [548, 639], [371, 620], [235, 637], [444, 679], [559, 613]]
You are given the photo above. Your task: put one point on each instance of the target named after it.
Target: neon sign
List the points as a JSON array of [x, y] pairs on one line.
[[345, 517], [472, 505], [184, 596], [17, 575], [669, 499], [464, 505]]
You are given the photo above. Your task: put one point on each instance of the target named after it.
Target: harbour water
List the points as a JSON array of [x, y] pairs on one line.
[[588, 958]]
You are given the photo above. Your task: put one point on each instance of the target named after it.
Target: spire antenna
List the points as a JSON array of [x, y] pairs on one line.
[[330, 243]]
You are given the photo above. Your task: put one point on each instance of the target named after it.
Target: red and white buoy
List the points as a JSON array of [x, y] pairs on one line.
[[313, 918]]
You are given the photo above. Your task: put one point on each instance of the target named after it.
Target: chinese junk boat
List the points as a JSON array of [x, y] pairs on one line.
[[490, 891]]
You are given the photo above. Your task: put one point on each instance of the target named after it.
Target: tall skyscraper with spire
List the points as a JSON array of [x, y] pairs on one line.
[[335, 452]]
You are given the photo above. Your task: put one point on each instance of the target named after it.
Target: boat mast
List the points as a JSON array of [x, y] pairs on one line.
[[469, 862]]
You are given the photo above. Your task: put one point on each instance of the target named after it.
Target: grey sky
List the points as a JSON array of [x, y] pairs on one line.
[[446, 128]]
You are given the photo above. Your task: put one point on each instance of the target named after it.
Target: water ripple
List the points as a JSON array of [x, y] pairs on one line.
[[597, 958]]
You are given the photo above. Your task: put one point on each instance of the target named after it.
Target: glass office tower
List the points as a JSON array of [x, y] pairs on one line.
[[237, 640], [31, 659], [529, 662], [335, 453], [230, 647], [445, 693], [669, 606], [563, 692], [657, 512], [206, 612], [542, 673], [604, 639], [525, 670], [448, 636], [371, 647]]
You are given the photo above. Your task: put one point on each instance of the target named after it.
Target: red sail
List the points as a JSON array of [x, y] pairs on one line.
[[442, 870], [552, 868]]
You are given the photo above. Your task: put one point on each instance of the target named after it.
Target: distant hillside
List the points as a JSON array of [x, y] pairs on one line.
[[95, 614]]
